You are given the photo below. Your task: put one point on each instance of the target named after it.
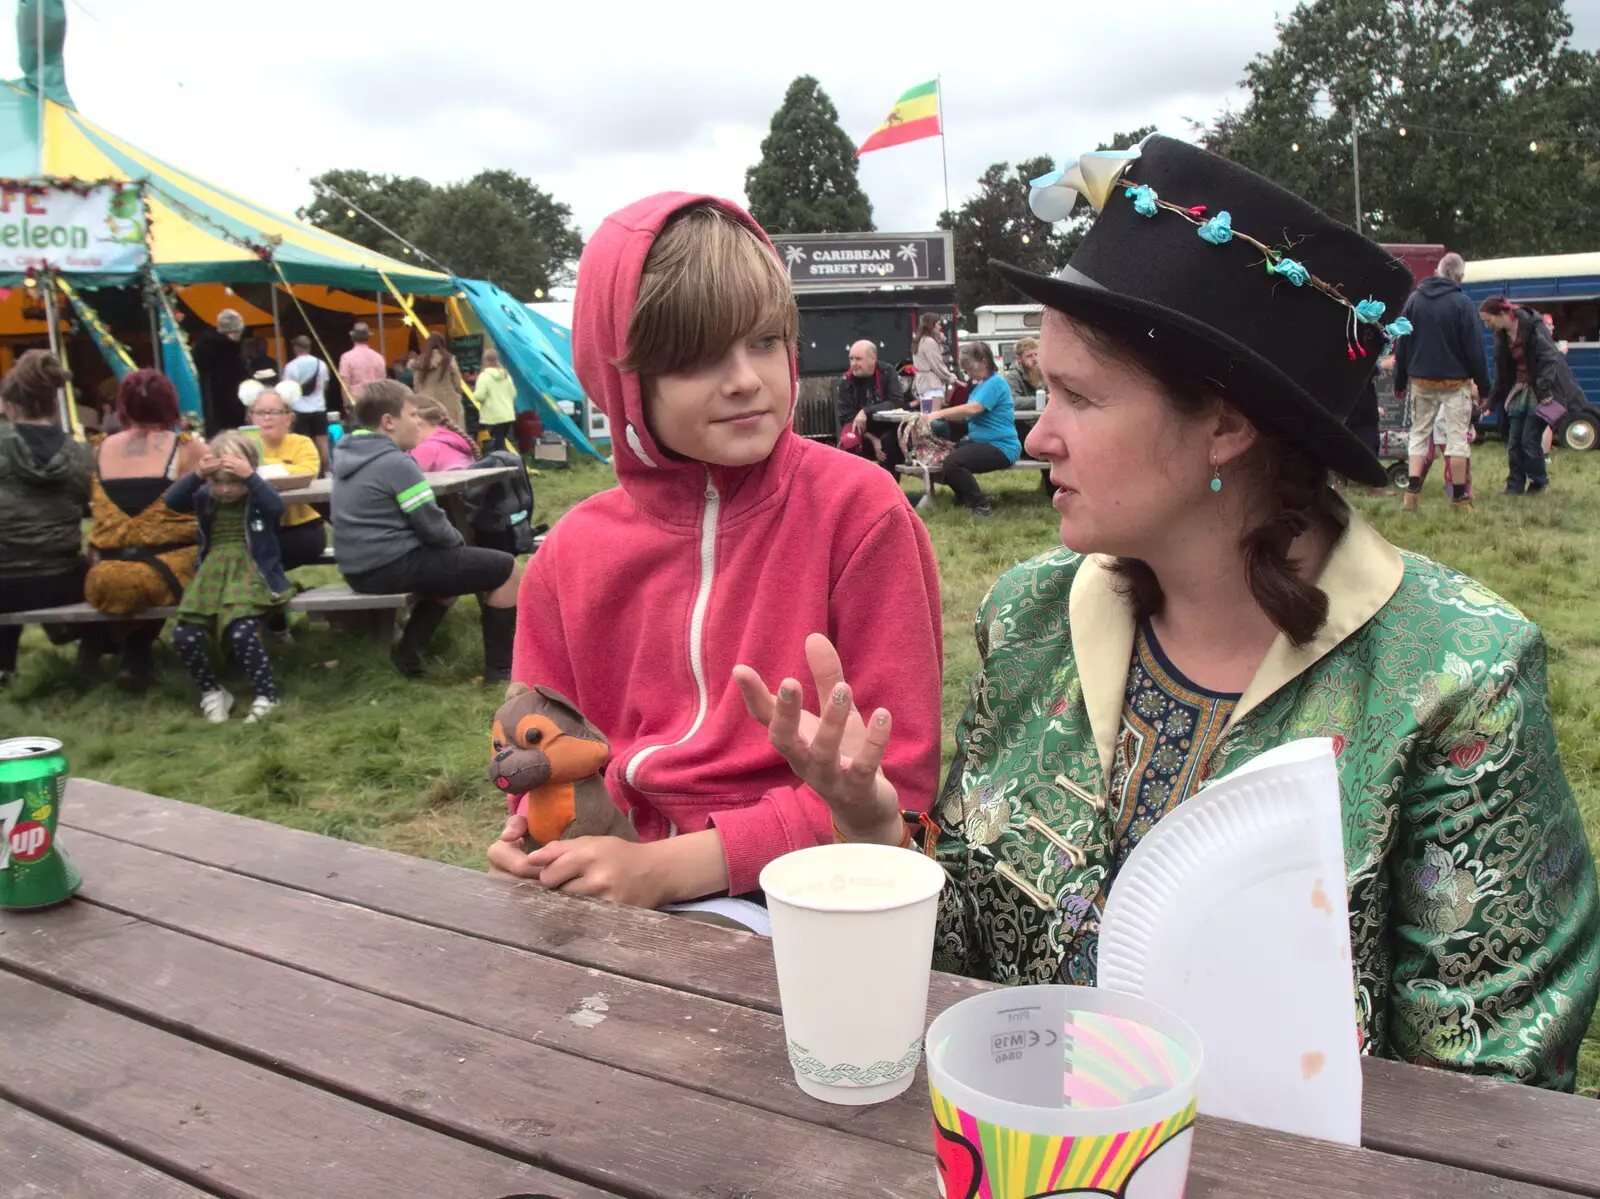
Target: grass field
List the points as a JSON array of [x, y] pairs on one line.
[[358, 752]]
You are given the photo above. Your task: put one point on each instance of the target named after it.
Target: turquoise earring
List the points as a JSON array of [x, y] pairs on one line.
[[1216, 476]]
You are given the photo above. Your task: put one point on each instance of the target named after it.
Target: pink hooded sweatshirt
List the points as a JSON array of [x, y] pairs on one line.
[[643, 598], [443, 449]]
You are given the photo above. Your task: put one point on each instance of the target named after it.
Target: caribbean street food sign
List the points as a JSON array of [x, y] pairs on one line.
[[849, 260]]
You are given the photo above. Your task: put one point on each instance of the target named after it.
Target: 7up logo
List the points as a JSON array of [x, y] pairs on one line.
[[26, 840]]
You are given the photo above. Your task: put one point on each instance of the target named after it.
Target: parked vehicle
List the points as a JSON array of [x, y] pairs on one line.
[[1567, 288]]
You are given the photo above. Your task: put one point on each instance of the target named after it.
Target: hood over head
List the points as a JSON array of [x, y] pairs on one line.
[[608, 288]]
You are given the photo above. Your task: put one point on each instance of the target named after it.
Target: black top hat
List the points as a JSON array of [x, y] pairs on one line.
[[1243, 283]]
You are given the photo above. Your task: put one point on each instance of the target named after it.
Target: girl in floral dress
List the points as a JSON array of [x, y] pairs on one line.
[[241, 574]]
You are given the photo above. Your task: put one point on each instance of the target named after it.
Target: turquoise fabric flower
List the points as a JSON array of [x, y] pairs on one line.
[[1292, 271], [1218, 230], [1397, 328], [1144, 200], [1370, 311]]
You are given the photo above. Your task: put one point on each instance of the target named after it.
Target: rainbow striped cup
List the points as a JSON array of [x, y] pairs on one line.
[[1061, 1091]]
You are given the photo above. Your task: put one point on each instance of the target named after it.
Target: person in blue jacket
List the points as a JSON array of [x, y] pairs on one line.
[[991, 442]]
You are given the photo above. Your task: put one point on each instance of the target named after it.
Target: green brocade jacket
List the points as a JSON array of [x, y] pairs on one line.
[[1473, 912]]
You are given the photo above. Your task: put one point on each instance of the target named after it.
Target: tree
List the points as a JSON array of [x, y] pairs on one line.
[[1447, 99], [806, 180], [392, 199], [498, 225], [997, 223]]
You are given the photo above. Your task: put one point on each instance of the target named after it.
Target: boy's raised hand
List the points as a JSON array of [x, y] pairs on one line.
[[837, 753]]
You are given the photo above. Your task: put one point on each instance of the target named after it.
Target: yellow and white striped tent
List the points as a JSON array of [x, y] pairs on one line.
[[199, 232]]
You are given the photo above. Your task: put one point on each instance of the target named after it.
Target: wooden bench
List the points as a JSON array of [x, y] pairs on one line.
[[338, 605], [928, 474]]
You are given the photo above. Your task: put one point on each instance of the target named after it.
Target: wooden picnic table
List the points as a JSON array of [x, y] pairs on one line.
[[443, 482], [234, 1008]]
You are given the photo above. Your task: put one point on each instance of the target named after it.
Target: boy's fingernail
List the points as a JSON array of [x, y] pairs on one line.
[[840, 695], [881, 719], [786, 694]]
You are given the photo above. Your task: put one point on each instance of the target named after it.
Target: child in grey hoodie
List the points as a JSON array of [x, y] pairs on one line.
[[390, 535]]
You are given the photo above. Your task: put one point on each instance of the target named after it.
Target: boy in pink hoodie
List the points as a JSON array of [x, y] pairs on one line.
[[729, 541]]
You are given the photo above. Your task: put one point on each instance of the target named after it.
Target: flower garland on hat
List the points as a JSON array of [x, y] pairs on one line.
[[1095, 177]]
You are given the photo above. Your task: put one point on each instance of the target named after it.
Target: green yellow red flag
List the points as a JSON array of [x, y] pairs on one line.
[[914, 115]]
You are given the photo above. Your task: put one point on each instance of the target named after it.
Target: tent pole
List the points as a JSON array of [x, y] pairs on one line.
[[155, 338], [277, 329], [382, 348], [47, 285], [38, 66]]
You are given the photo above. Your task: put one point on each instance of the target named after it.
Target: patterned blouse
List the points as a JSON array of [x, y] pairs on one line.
[[1474, 918], [1169, 729]]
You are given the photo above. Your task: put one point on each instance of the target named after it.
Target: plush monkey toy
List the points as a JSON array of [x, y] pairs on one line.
[[547, 753]]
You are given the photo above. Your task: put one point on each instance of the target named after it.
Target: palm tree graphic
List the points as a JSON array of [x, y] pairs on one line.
[[908, 253], [793, 255]]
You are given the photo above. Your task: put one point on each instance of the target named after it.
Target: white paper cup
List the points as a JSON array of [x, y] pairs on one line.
[[852, 934], [1062, 1090]]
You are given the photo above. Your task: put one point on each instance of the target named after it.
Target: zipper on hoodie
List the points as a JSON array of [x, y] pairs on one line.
[[697, 623]]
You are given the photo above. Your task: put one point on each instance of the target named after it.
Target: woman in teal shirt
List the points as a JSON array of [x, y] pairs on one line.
[[991, 442]]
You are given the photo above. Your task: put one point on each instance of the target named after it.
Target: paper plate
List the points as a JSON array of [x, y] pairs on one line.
[[1231, 912]]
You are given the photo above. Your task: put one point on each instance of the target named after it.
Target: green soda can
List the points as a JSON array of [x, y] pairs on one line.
[[35, 872]]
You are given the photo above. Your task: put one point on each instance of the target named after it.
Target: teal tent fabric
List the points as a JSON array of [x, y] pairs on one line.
[[177, 364], [542, 375], [43, 60], [114, 352], [559, 336]]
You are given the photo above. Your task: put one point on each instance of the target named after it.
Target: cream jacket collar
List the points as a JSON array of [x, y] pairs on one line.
[[1361, 575]]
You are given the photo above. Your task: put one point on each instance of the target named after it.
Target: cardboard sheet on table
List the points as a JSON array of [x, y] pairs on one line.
[[1232, 912]]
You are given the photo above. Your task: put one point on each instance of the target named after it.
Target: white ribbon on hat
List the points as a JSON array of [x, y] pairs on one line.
[[1052, 197]]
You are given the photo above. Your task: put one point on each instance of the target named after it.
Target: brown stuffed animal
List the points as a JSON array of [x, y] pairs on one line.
[[546, 752]]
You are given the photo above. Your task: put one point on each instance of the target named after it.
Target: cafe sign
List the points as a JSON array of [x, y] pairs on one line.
[[850, 260], [95, 230]]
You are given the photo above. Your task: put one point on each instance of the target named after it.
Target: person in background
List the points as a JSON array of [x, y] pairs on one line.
[[1529, 370], [220, 367], [1439, 363], [302, 533], [444, 444], [141, 552], [868, 390], [240, 577], [310, 375], [991, 442], [496, 397], [44, 496], [405, 369], [259, 366], [391, 536], [360, 364], [934, 375], [1024, 377], [438, 376]]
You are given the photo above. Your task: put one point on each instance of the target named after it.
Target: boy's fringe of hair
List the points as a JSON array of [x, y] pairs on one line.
[[708, 283], [381, 398]]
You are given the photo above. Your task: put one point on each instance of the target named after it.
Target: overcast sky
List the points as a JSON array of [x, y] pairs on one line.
[[603, 102]]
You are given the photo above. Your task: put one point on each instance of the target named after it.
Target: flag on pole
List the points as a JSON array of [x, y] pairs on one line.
[[915, 115]]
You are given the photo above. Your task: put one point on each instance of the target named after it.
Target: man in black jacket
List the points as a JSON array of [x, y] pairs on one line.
[[868, 390], [1440, 363], [1529, 370]]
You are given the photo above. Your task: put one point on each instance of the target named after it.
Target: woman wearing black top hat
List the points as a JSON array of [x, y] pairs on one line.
[[1212, 598]]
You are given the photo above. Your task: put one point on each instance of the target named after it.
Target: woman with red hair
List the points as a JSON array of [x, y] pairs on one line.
[[143, 552]]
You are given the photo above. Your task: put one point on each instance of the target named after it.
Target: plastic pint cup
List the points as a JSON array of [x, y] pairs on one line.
[[930, 400], [852, 935], [1062, 1090]]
